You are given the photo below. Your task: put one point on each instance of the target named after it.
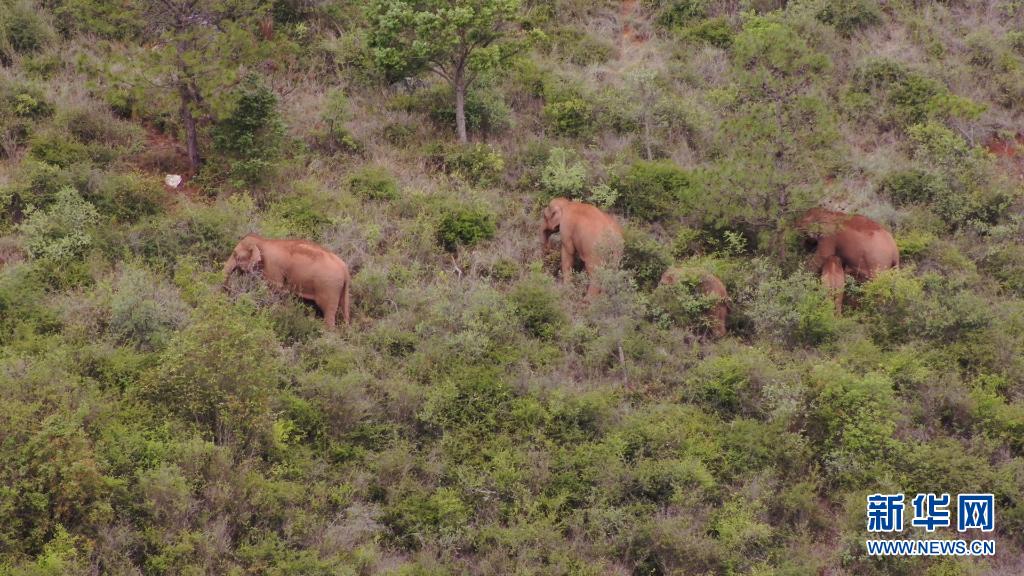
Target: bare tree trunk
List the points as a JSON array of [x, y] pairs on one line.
[[460, 106], [189, 123]]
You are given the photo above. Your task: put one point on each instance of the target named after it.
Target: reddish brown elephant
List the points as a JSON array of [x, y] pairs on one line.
[[710, 286], [301, 267], [863, 246], [834, 279], [587, 233]]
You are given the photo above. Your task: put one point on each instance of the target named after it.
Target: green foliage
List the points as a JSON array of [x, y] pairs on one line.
[[55, 148], [849, 16], [563, 175], [486, 111], [250, 137], [62, 232], [127, 197], [373, 183], [912, 186], [794, 310], [537, 307], [477, 164], [22, 29], [653, 191], [645, 257], [111, 19], [678, 13], [714, 31], [465, 226], [682, 303], [219, 373], [573, 117]]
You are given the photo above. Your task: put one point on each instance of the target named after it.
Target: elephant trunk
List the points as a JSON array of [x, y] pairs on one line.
[[229, 268]]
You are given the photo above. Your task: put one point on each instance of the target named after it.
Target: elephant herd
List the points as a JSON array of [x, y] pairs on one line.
[[843, 245]]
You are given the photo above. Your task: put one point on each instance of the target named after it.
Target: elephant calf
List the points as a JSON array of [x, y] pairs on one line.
[[303, 268], [586, 232], [711, 286]]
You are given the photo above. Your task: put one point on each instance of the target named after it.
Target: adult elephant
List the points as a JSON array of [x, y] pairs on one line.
[[301, 267], [587, 232], [710, 286], [863, 247]]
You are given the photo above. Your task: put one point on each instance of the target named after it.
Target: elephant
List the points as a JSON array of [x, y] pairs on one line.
[[586, 232], [863, 246], [834, 279], [711, 286], [299, 266]]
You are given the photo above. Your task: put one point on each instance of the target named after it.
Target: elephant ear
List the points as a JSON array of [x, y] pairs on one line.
[[256, 259], [553, 216]]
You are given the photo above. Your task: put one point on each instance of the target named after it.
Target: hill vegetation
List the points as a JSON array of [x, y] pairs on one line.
[[477, 417]]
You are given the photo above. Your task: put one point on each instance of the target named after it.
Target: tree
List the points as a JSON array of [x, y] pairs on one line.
[[455, 39], [197, 38], [779, 134]]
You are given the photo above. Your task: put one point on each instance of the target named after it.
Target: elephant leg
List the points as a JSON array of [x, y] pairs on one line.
[[568, 256], [718, 314], [593, 289], [329, 306], [346, 301]]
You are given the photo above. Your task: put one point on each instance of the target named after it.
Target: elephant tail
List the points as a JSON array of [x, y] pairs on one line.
[[346, 300]]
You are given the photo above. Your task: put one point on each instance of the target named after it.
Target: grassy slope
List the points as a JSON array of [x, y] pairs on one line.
[[477, 417]]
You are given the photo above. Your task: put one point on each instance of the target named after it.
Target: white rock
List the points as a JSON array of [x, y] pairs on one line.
[[172, 180]]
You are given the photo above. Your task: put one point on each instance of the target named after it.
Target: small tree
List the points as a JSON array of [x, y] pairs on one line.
[[455, 39]]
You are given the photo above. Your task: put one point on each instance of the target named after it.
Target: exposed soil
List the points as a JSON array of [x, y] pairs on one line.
[[1009, 152]]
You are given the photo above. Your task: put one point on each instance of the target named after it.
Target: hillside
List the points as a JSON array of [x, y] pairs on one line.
[[478, 416]]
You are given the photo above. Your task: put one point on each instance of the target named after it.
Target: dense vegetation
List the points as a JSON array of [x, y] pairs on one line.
[[477, 417]]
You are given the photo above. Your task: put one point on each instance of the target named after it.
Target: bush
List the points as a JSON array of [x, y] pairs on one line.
[[219, 373], [250, 137], [478, 164], [679, 13], [715, 31], [563, 175], [651, 191], [300, 215], [127, 197], [913, 186], [465, 226], [22, 28], [853, 419], [62, 232], [373, 183], [682, 303], [573, 117], [793, 310], [144, 309], [849, 16], [645, 257], [58, 149], [486, 111], [538, 307], [110, 19]]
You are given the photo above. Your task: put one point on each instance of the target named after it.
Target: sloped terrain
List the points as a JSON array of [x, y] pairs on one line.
[[478, 417]]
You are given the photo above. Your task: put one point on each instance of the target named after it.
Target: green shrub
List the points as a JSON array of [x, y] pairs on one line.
[[373, 183], [1006, 264], [652, 191], [538, 307], [300, 215], [478, 164], [563, 175], [144, 309], [127, 197], [219, 373], [58, 149], [714, 31], [573, 117], [891, 299], [910, 98], [413, 516], [853, 419], [793, 310], [913, 186], [62, 232], [251, 135], [645, 257], [465, 226], [486, 111], [22, 28], [111, 19], [849, 16], [579, 47], [679, 13], [22, 296]]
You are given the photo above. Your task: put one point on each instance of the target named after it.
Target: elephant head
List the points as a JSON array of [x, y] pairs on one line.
[[552, 219], [245, 256]]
